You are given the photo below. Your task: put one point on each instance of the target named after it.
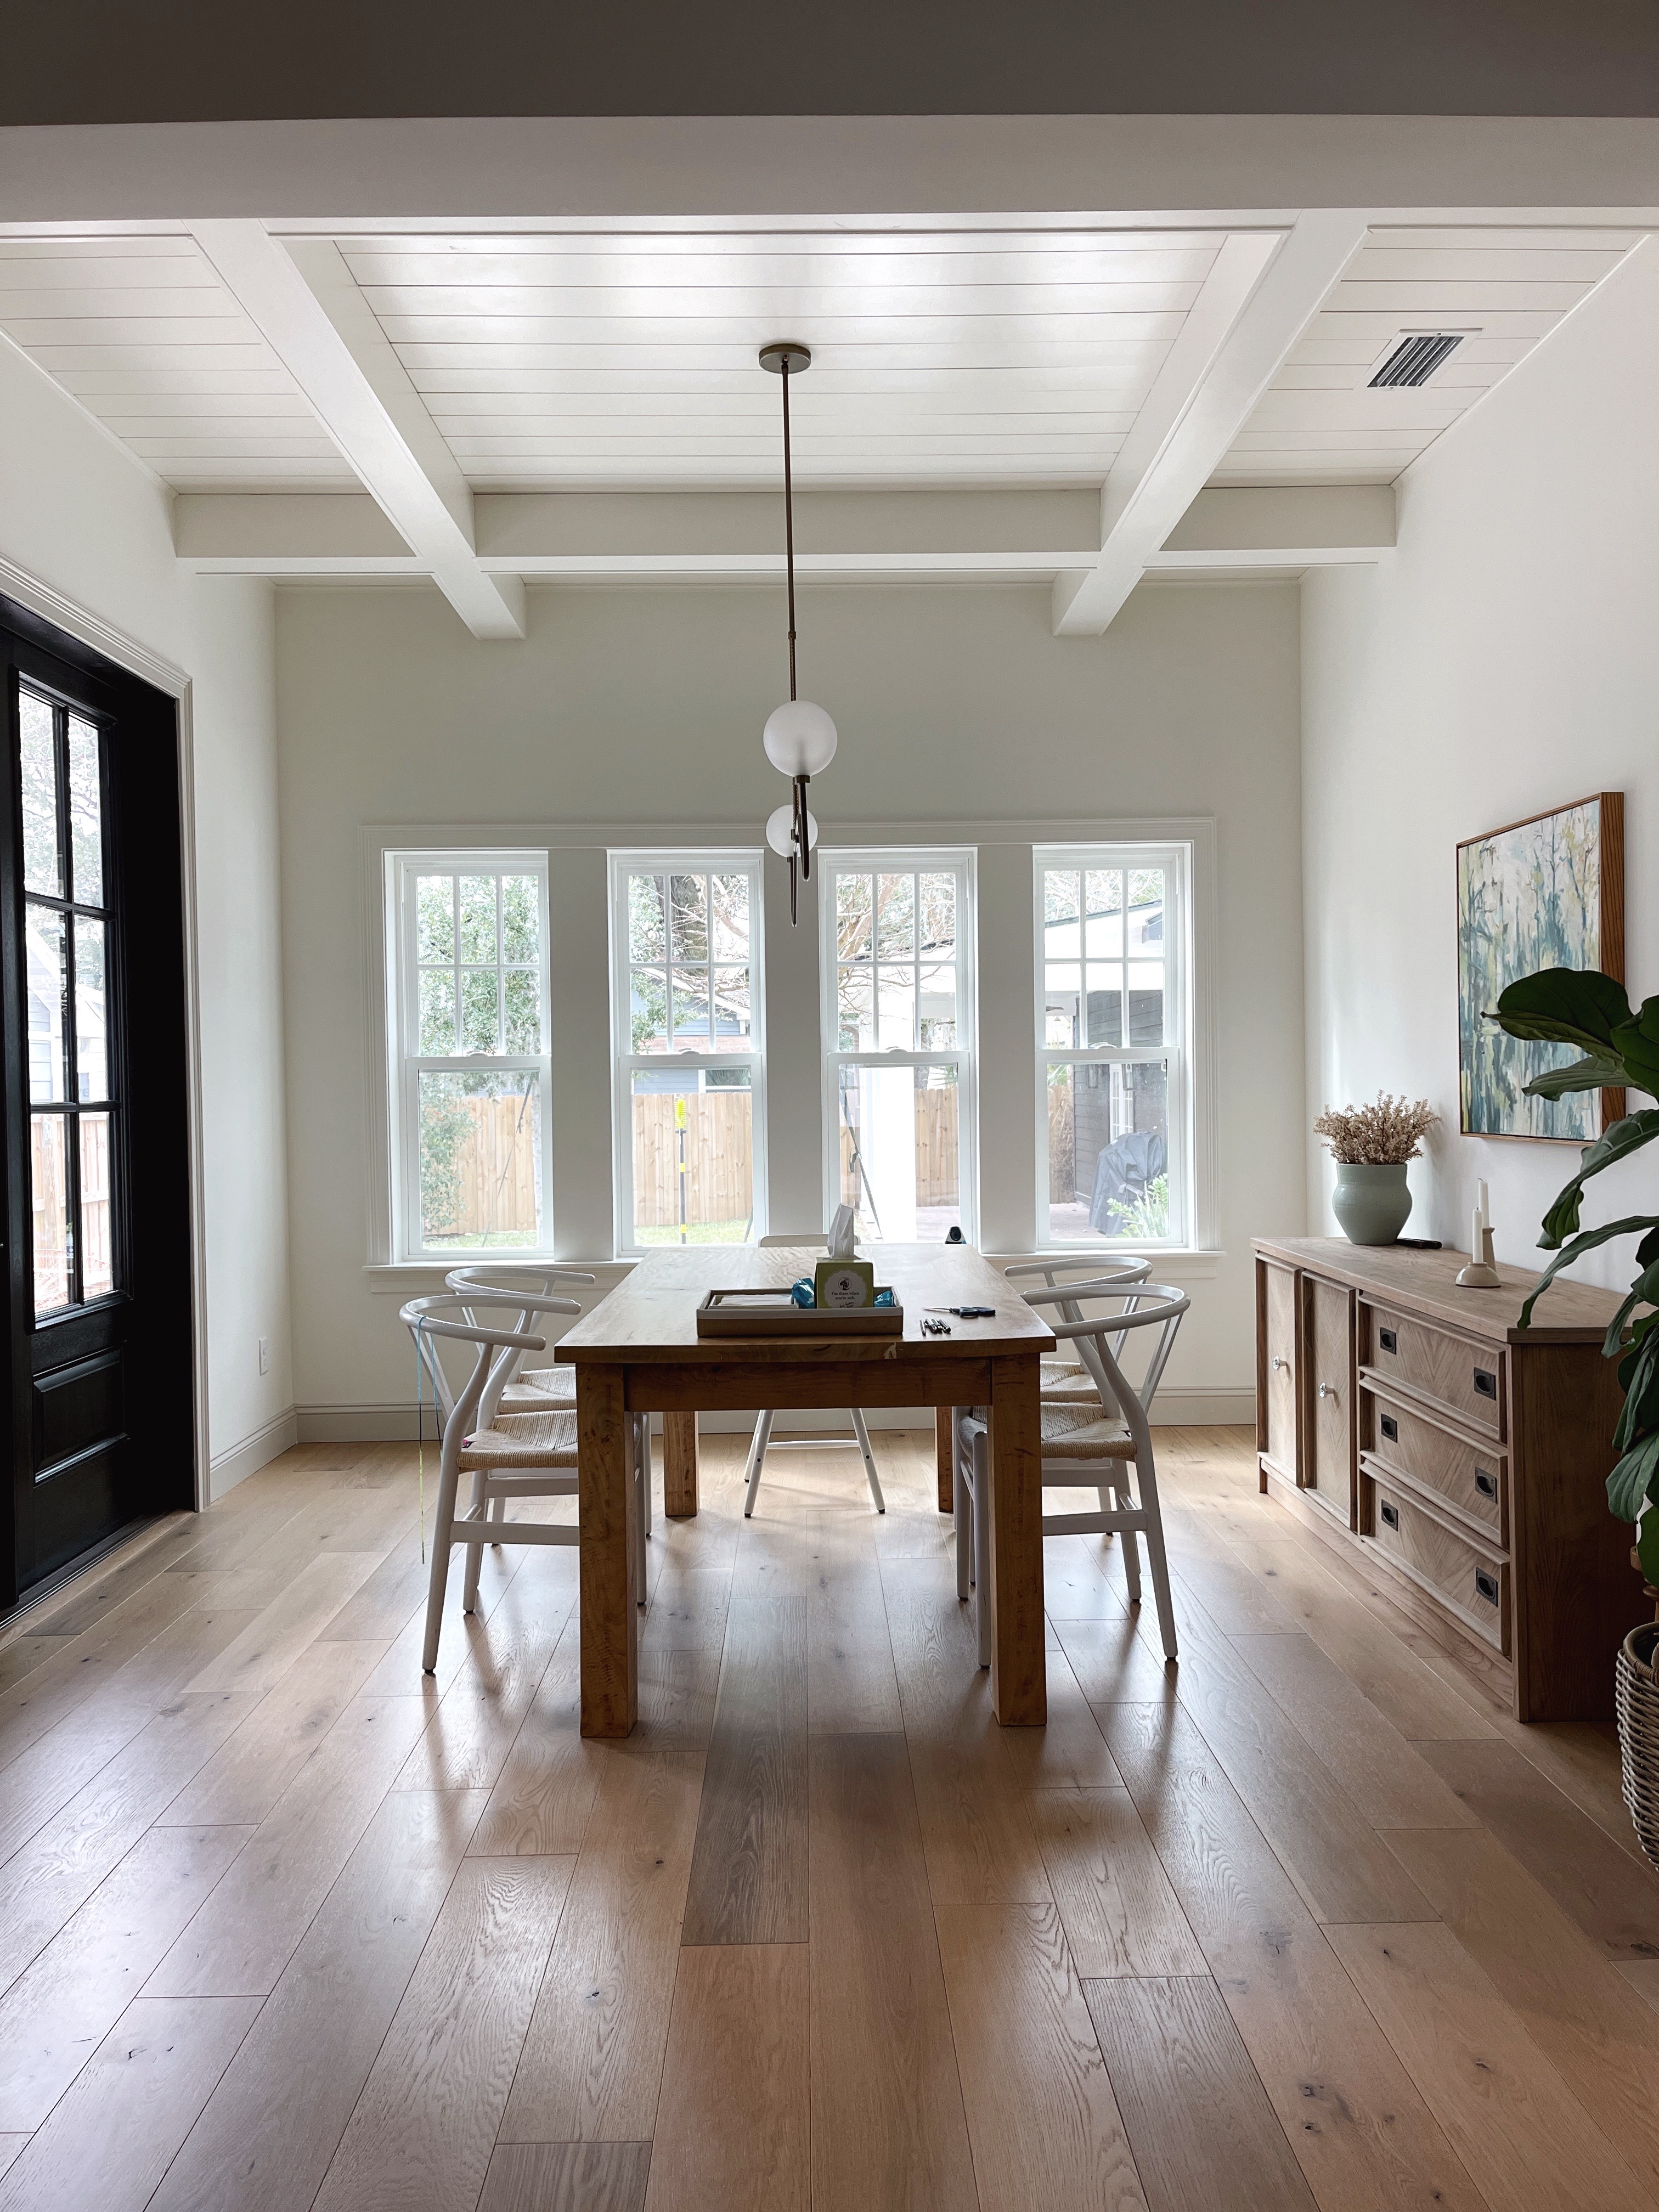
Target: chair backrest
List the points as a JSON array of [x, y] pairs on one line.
[[493, 1279], [455, 1315], [806, 1243], [1156, 1306]]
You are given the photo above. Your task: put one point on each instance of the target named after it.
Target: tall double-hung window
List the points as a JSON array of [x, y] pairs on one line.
[[1113, 967], [473, 1151], [690, 1084], [898, 1009]]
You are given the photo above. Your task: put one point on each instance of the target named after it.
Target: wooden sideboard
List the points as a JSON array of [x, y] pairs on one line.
[[1465, 1457]]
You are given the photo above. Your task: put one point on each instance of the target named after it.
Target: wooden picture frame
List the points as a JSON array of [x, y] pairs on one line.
[[1546, 891]]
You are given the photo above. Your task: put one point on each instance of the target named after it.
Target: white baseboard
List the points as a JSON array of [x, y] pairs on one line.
[[226, 1468], [1202, 1408], [1206, 1406]]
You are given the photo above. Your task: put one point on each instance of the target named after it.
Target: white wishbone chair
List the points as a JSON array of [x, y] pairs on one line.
[[512, 1387], [1085, 1442], [528, 1455], [763, 1435]]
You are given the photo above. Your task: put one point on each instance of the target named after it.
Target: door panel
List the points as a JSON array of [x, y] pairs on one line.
[[100, 1366], [1280, 1379], [1329, 1382]]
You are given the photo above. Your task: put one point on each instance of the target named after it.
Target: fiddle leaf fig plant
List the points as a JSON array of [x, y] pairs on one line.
[[1619, 1049]]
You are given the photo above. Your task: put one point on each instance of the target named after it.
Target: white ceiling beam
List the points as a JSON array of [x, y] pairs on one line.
[[734, 537], [304, 305], [1259, 296], [1279, 526]]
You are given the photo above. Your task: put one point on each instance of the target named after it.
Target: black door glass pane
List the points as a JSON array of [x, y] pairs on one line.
[[85, 813], [91, 1048], [38, 758], [49, 1211], [43, 933], [97, 1228]]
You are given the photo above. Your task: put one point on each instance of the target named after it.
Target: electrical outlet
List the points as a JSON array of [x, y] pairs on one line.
[[265, 1355]]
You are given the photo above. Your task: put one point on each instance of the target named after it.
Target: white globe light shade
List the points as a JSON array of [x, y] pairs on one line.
[[799, 738], [780, 832]]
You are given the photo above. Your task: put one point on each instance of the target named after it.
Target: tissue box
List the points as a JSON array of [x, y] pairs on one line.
[[844, 1285]]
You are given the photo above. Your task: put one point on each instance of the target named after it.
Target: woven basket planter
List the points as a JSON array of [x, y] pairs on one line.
[[1639, 1734]]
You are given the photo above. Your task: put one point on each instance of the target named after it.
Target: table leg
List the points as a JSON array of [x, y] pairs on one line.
[[1019, 1687], [945, 1455], [680, 1465], [609, 1509]]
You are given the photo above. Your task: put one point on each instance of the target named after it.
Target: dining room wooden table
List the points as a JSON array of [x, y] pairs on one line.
[[638, 1351]]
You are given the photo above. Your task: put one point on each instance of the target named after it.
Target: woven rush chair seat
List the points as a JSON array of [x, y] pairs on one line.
[[523, 1440], [1074, 1435], [1064, 1383], [534, 1388]]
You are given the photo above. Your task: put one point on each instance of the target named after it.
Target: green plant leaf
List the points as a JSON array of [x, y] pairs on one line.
[[1589, 1074], [1628, 1483], [1645, 1291], [1588, 1243], [1638, 1374], [1647, 1544], [1564, 1006], [1617, 1143], [1636, 1041]]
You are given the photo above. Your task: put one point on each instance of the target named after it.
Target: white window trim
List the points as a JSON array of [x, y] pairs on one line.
[[900, 858], [1177, 857], [705, 860], [400, 866]]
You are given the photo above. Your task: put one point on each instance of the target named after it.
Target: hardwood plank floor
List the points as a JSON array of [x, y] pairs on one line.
[[1199, 2120], [1302, 1919], [271, 2126], [425, 2125], [749, 1867], [1044, 2126], [109, 2141], [737, 2047]]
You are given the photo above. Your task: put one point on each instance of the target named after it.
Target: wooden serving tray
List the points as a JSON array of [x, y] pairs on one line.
[[773, 1313]]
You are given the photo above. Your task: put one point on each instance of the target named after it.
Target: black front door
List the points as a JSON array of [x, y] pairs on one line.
[[92, 1008]]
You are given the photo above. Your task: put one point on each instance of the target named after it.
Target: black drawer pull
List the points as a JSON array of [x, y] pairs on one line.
[[1485, 1483], [1391, 1428], [1486, 1385], [1387, 1339], [1486, 1585], [1390, 1515]]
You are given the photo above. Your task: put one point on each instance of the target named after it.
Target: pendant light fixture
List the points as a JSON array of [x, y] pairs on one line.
[[800, 738]]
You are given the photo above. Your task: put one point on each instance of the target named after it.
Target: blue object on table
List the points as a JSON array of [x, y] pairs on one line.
[[884, 1298], [803, 1292]]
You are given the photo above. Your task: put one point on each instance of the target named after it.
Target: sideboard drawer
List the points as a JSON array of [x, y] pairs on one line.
[[1465, 1378], [1475, 1588], [1468, 1475]]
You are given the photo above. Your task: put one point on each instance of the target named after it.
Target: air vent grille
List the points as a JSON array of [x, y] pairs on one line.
[[1416, 357]]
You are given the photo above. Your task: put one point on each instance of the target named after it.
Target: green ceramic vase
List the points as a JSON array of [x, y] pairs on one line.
[[1372, 1204]]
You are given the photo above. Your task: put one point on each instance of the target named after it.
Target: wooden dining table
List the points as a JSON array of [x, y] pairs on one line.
[[638, 1351]]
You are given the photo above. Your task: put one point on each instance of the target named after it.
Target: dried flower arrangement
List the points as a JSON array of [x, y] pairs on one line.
[[1379, 1135]]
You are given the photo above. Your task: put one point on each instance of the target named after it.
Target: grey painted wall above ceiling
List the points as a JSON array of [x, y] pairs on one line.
[[97, 61]]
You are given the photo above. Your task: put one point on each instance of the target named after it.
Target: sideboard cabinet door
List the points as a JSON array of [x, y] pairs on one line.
[[1280, 1345], [1327, 1383]]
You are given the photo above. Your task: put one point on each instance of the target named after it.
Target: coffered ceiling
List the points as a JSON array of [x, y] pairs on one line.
[[1138, 363]]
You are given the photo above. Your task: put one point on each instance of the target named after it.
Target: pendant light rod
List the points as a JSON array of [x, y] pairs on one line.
[[796, 754], [789, 525]]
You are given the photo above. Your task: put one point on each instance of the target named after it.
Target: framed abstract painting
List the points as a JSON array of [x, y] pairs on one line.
[[1548, 892]]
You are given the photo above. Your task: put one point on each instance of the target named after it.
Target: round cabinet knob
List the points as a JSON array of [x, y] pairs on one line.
[[1327, 1389], [1278, 1363]]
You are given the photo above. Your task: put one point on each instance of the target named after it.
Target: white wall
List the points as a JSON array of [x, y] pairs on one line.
[[1505, 661], [80, 517], [646, 705]]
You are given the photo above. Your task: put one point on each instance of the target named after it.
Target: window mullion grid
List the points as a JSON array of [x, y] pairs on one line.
[[71, 1072]]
